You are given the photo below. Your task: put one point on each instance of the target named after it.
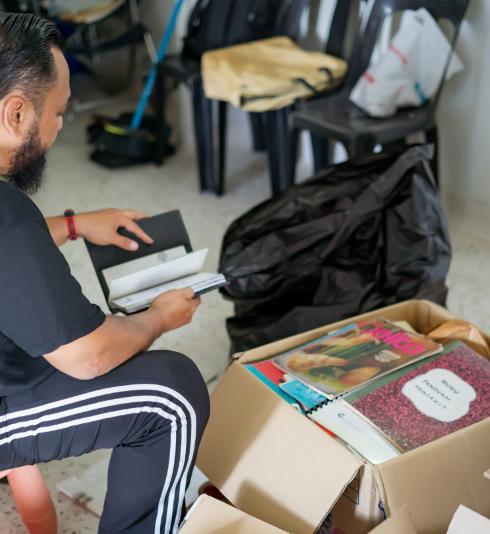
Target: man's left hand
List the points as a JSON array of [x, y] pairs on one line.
[[100, 227]]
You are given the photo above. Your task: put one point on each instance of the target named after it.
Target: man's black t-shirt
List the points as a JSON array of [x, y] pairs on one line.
[[42, 306]]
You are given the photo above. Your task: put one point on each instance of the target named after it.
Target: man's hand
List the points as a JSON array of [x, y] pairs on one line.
[[120, 338], [175, 307], [100, 228]]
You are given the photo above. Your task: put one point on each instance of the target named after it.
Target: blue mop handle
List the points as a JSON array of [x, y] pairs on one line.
[[138, 116]]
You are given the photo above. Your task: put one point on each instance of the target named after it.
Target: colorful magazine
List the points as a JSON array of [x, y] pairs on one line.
[[442, 396], [308, 397], [354, 355], [273, 378]]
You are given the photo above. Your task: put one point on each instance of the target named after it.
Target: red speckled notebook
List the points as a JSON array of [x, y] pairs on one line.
[[447, 394]]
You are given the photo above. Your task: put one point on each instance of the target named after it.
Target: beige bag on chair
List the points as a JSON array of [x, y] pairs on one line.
[[266, 74]]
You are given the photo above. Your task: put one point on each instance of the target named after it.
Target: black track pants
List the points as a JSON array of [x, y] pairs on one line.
[[151, 410]]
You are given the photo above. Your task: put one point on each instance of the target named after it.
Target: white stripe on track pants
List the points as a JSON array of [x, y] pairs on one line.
[[151, 410]]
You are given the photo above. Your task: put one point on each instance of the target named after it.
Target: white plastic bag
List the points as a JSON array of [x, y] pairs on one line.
[[408, 74]]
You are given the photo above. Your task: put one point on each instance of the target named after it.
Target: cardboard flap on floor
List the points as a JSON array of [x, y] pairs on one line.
[[210, 516], [465, 521], [399, 523], [268, 459], [439, 476]]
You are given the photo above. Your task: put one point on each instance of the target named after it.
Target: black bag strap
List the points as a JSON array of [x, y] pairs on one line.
[[307, 85], [314, 90], [328, 72]]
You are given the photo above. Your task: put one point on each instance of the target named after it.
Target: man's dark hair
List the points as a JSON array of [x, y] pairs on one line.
[[26, 58]]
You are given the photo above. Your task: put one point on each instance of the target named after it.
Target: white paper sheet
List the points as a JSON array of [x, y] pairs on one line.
[[134, 266], [89, 488], [358, 433], [186, 265], [143, 299], [465, 521]]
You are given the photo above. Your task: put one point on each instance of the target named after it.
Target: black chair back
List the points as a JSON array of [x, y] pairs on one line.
[[167, 230], [288, 17], [377, 11], [338, 28]]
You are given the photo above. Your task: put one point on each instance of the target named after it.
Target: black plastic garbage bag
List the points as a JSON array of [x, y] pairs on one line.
[[356, 237]]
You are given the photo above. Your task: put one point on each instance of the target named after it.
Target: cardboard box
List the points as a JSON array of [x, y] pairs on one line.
[[210, 516], [275, 464]]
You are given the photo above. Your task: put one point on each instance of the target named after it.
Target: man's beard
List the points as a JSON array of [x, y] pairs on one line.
[[27, 165]]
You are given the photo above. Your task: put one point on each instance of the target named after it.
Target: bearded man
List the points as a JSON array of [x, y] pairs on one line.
[[71, 379]]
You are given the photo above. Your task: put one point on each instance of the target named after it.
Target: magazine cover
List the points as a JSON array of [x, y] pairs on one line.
[[354, 355], [447, 394], [272, 377]]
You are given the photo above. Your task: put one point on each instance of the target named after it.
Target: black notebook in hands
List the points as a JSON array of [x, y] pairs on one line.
[[132, 280]]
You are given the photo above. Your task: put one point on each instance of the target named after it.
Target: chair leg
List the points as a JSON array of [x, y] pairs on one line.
[[33, 500], [257, 123], [222, 127], [322, 152], [277, 147], [203, 124], [92, 32], [294, 134], [160, 134], [432, 137]]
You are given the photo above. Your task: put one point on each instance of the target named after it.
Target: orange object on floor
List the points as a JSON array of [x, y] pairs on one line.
[[33, 500]]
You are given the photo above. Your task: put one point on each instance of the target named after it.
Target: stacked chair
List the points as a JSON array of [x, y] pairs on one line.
[[93, 34], [186, 68], [334, 118]]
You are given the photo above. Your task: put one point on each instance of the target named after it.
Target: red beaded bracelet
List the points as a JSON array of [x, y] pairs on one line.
[[70, 223]]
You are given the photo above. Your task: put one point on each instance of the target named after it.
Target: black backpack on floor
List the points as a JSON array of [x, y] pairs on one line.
[[219, 23]]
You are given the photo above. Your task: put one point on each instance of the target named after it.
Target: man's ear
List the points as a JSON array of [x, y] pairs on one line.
[[16, 114]]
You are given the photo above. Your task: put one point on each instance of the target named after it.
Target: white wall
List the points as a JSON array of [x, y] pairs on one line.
[[464, 112], [155, 14]]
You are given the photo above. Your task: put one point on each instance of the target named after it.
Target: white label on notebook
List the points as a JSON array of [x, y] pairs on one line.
[[440, 394]]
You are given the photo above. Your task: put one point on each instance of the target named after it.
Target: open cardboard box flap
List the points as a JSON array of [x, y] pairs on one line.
[[399, 523], [439, 476], [266, 457], [418, 313], [275, 464], [210, 516]]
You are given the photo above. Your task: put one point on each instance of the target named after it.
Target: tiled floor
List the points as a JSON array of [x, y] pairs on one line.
[[75, 182]]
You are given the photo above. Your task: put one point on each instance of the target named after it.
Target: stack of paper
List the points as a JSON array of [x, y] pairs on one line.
[[137, 290]]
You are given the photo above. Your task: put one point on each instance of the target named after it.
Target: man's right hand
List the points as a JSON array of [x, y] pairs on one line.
[[176, 307], [120, 338]]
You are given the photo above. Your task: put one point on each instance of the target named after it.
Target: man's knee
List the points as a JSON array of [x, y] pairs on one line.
[[176, 371]]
